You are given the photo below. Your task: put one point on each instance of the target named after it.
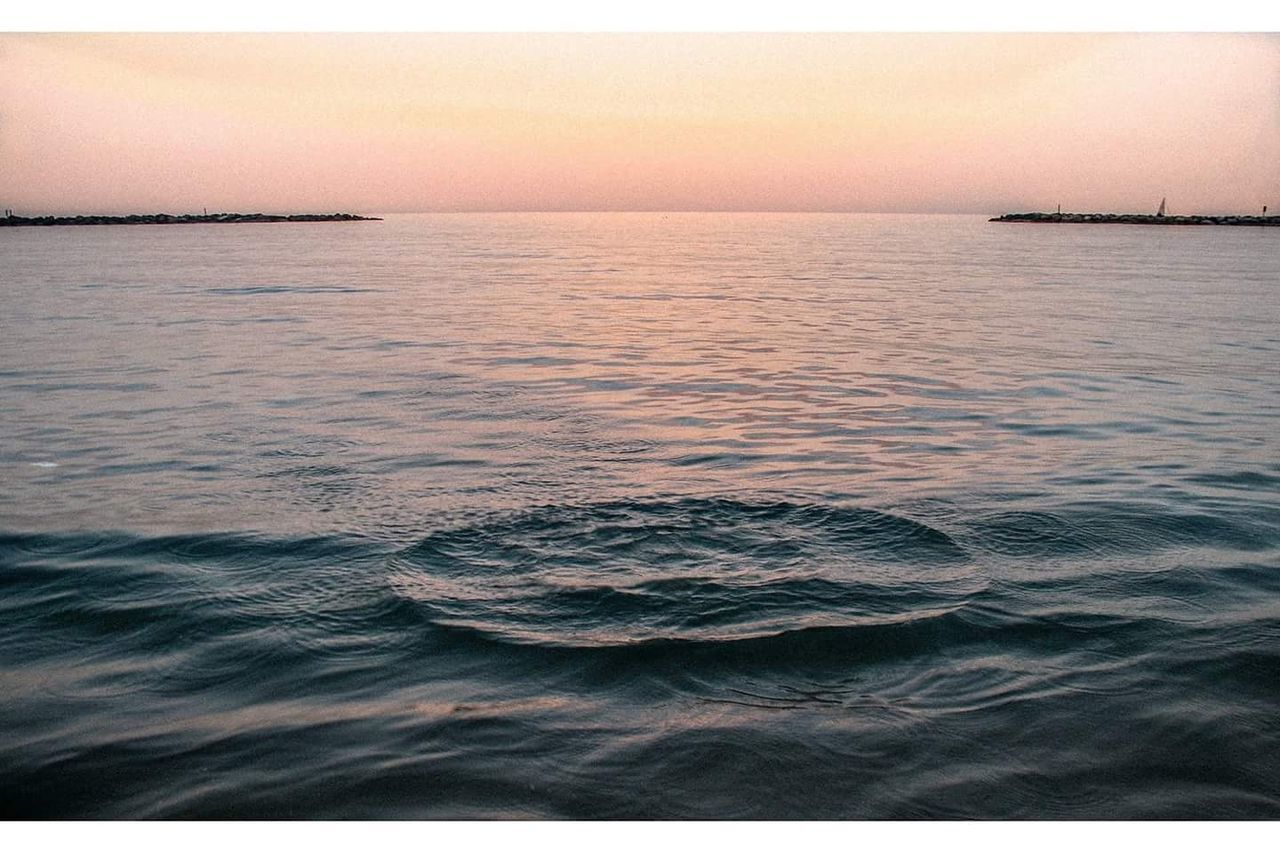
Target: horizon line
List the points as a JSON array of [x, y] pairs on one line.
[[455, 211]]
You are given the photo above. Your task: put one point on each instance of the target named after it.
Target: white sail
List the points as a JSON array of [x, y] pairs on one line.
[[1160, 212]]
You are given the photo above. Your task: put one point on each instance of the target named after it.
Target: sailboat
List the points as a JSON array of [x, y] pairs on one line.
[[1160, 212]]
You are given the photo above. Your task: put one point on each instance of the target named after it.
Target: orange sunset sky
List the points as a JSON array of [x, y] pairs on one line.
[[456, 122]]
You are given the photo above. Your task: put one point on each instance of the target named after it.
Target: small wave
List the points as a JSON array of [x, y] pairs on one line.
[[267, 290], [1104, 529], [705, 570], [1240, 480]]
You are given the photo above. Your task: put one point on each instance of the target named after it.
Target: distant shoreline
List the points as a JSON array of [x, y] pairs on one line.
[[184, 219], [1134, 219]]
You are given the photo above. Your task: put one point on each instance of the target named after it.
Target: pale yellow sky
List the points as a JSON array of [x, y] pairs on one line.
[[859, 122]]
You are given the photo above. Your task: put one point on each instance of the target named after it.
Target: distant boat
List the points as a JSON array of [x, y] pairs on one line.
[[1160, 212]]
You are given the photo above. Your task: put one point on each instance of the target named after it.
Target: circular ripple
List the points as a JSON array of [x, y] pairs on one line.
[[625, 572]]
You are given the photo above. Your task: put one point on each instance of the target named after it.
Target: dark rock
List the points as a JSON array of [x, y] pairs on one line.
[[1136, 219], [182, 219]]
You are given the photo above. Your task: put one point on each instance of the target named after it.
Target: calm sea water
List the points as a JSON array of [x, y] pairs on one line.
[[640, 515]]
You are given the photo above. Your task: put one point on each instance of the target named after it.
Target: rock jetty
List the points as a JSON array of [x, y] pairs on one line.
[[184, 219], [1135, 219]]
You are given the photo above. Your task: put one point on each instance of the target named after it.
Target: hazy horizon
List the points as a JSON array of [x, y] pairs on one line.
[[824, 123]]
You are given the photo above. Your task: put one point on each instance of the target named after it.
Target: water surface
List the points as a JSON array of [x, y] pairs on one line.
[[640, 515]]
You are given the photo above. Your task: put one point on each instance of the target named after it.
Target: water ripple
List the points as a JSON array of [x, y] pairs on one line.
[[690, 569]]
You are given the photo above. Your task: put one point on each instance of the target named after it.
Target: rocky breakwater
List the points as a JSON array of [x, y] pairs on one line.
[[1135, 219], [184, 219]]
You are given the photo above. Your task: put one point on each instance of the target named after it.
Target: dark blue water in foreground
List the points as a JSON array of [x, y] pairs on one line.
[[703, 516]]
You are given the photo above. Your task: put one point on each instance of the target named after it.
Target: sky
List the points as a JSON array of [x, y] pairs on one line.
[[369, 123]]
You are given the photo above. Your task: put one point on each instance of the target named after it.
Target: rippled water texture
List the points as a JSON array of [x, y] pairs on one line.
[[640, 515]]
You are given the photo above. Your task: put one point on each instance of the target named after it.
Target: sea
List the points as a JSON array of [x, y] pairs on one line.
[[640, 515]]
